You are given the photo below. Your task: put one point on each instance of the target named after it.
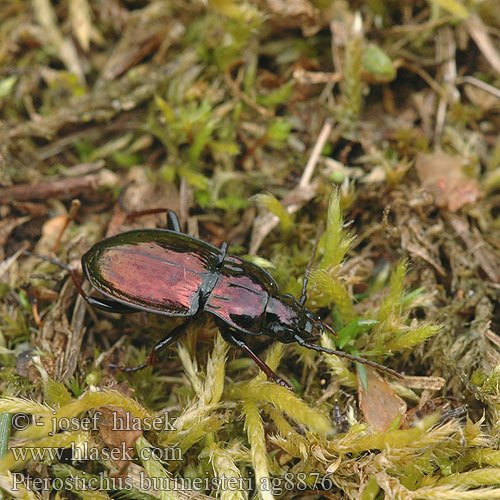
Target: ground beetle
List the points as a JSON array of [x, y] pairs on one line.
[[165, 271]]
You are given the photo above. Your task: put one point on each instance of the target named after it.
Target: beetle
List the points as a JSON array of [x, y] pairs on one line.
[[167, 272]]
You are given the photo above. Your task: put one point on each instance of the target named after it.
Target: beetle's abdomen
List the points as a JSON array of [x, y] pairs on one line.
[[160, 271], [241, 294]]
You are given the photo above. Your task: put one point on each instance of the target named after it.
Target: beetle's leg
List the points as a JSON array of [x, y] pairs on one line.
[[222, 255], [153, 355], [173, 221], [303, 295], [149, 211], [166, 341], [235, 340], [128, 369], [135, 213]]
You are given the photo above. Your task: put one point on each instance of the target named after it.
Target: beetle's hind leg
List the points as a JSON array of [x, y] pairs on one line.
[[234, 339], [153, 355], [172, 219]]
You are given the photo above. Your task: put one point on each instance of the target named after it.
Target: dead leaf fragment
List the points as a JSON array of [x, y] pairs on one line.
[[442, 174], [379, 403], [295, 14], [50, 232]]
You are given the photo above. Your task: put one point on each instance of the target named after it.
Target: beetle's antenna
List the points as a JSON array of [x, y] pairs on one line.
[[56, 262], [303, 296], [65, 267], [346, 355]]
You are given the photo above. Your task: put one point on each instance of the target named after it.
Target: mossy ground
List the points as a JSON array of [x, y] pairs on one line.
[[264, 124]]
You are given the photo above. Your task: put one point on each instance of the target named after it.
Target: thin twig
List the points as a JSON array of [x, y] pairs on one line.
[[62, 188], [479, 34], [479, 84], [316, 152], [304, 191], [241, 95]]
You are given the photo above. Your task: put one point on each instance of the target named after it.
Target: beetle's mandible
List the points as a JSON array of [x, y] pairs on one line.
[[164, 271]]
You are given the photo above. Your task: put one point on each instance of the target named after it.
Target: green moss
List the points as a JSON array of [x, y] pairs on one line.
[[205, 108]]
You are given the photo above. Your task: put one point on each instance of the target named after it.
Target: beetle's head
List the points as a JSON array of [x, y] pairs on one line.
[[287, 320]]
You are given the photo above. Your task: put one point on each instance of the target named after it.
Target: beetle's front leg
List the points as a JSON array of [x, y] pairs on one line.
[[153, 355], [234, 339]]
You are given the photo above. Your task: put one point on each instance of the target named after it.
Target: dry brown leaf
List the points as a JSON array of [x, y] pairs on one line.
[[379, 403], [481, 98], [442, 175], [424, 409], [50, 232]]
